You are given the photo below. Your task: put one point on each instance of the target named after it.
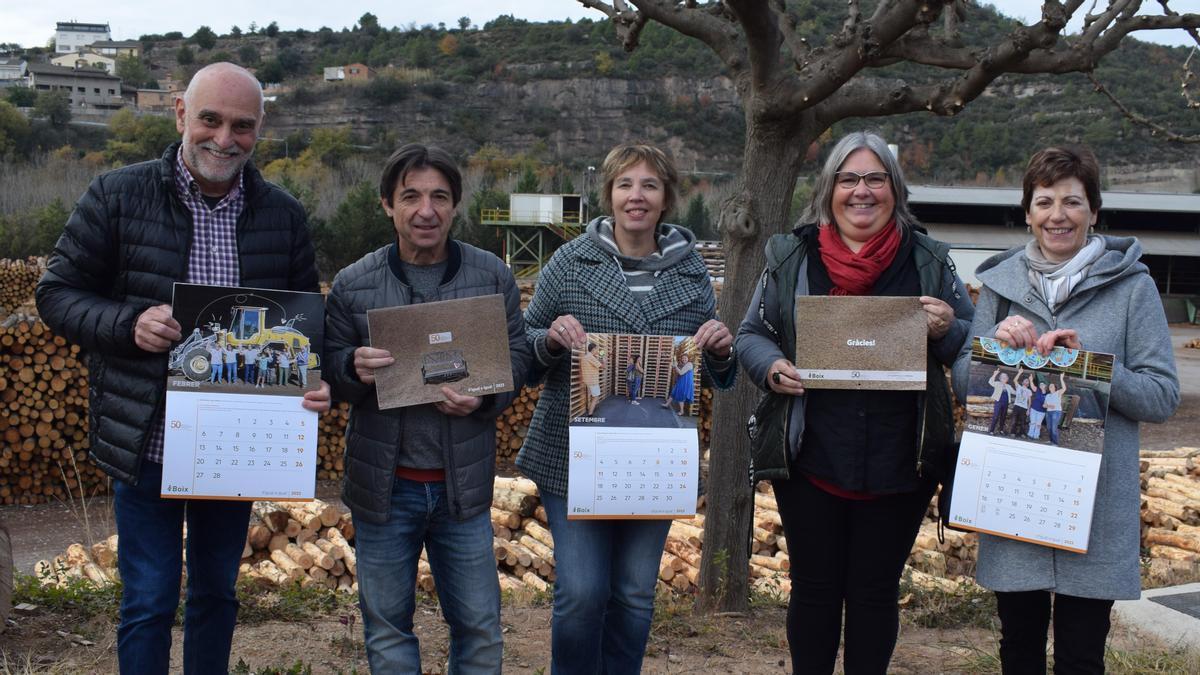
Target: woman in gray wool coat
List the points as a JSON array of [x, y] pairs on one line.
[[1073, 288], [629, 273]]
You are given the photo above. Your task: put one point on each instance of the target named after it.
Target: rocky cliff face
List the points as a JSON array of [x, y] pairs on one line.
[[573, 118]]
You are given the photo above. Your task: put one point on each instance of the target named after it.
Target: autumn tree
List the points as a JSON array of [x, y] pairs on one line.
[[795, 81]]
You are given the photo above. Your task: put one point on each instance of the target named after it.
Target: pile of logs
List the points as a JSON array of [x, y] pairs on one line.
[[43, 416], [331, 442], [311, 544], [513, 424], [713, 254], [1170, 510], [18, 278], [97, 563], [300, 542]]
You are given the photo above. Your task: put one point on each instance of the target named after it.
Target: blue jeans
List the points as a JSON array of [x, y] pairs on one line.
[[604, 593], [464, 570], [1053, 418], [151, 533]]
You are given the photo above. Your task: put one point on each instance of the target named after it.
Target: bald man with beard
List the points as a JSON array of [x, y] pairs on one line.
[[200, 214]]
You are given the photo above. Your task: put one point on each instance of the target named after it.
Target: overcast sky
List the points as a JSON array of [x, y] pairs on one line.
[[32, 23]]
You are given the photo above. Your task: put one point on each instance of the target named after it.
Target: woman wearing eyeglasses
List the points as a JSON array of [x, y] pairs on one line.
[[857, 468]]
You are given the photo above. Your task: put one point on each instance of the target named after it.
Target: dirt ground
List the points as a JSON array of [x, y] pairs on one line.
[[752, 644], [41, 642]]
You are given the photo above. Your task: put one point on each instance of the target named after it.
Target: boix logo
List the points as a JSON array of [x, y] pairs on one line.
[[855, 342]]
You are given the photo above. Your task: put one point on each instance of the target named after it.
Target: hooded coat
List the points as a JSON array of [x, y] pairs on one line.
[[1116, 310]]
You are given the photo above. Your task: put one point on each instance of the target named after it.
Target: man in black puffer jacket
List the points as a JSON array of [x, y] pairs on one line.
[[202, 215]]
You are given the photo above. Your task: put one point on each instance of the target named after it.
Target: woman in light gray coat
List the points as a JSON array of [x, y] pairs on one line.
[[1073, 288]]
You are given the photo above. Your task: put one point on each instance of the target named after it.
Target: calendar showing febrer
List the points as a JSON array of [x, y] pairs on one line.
[[235, 426], [242, 447], [1030, 455]]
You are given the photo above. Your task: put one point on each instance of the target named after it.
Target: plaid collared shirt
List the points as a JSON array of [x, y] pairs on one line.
[[213, 258]]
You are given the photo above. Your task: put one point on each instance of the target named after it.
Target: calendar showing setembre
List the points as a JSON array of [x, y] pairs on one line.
[[634, 443], [1029, 460], [243, 447], [234, 426], [631, 473]]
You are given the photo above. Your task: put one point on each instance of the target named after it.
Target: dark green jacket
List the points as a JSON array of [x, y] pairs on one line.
[[768, 333]]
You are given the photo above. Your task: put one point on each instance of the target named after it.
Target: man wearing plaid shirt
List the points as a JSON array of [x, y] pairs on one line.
[[202, 215]]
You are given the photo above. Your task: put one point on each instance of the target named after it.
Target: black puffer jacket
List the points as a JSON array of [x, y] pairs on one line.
[[124, 246]]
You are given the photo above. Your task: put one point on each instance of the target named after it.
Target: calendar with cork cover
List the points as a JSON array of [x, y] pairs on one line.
[[634, 442], [1030, 453], [234, 424]]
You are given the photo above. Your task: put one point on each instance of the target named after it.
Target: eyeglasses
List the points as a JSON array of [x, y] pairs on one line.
[[849, 179]]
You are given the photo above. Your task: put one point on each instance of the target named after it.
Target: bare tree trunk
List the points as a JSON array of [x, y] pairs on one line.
[[758, 209]]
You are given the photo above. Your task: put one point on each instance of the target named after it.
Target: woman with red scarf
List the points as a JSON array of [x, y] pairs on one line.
[[853, 470]]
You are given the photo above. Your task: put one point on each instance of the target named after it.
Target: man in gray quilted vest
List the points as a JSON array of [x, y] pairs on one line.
[[421, 476]]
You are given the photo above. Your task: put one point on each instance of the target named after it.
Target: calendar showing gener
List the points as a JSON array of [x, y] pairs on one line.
[[1030, 453], [234, 426], [634, 443]]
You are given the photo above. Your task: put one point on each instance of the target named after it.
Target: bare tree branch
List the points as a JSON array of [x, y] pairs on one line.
[[1166, 7], [763, 38], [796, 43], [628, 23], [1155, 128], [853, 16], [707, 23]]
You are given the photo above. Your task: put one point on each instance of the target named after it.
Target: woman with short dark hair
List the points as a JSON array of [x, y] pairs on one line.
[[1069, 286], [856, 468]]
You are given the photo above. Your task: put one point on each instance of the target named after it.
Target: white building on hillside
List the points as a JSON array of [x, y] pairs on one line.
[[73, 37]]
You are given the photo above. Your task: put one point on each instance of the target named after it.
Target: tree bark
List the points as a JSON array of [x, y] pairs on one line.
[[773, 154]]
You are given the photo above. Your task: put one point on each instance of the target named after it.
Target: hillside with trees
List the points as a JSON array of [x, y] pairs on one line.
[[512, 98]]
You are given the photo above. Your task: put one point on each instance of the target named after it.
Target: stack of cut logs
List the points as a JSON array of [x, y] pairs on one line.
[[1171, 512], [310, 543], [513, 424], [43, 416], [304, 542], [331, 442], [97, 563], [713, 254], [17, 281]]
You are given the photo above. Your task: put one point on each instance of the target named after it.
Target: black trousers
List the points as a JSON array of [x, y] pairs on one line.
[[853, 555], [1080, 629], [1019, 426]]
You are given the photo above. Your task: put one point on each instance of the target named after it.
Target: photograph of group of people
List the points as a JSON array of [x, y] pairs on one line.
[[246, 340], [265, 367], [1055, 405], [856, 236], [636, 381]]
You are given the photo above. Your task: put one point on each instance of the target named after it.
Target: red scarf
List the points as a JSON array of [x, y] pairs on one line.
[[855, 273]]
